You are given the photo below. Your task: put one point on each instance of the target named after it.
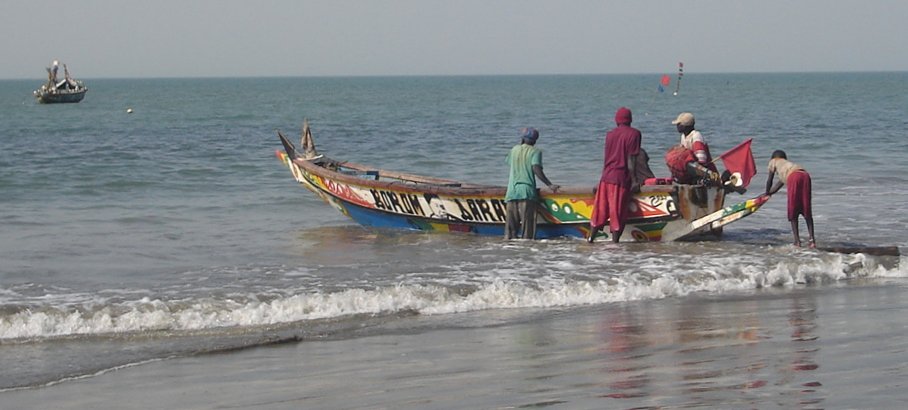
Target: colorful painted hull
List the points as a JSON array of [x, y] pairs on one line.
[[380, 198]]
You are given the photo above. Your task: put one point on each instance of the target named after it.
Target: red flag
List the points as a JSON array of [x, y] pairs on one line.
[[666, 80], [740, 160]]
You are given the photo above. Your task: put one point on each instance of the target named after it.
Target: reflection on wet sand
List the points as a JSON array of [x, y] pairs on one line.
[[802, 318], [704, 356], [626, 340]]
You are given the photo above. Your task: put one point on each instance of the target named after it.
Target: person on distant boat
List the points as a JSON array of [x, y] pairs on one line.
[[525, 162], [619, 178], [690, 160], [799, 192]]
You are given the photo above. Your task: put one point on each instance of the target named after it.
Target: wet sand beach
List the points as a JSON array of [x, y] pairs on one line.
[[807, 347]]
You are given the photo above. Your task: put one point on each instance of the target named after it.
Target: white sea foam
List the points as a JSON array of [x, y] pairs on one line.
[[506, 291]]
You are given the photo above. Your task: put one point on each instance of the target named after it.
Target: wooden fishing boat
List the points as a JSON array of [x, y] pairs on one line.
[[381, 198], [56, 96], [67, 90]]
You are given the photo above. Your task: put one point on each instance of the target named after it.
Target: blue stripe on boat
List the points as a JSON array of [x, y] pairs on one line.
[[380, 219]]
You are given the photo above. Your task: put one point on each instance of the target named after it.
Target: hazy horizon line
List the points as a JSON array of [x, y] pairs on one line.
[[189, 77]]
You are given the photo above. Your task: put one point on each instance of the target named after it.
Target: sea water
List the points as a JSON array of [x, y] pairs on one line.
[[173, 230]]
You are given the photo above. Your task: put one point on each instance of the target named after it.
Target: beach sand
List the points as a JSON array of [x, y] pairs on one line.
[[839, 346]]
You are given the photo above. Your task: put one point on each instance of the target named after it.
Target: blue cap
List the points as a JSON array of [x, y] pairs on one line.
[[529, 134]]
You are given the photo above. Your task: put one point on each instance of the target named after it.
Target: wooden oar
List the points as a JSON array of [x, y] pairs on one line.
[[867, 250]]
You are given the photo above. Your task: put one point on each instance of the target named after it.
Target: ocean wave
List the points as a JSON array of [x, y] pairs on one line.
[[116, 315]]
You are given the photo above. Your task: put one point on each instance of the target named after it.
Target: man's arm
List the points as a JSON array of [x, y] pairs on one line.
[[699, 149], [537, 170], [770, 188]]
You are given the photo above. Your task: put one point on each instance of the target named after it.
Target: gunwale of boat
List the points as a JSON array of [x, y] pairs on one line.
[[364, 175]]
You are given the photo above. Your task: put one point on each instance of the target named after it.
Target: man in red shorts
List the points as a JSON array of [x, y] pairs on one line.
[[799, 192], [619, 177]]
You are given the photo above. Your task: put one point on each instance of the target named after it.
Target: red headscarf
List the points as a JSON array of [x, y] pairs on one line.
[[623, 116]]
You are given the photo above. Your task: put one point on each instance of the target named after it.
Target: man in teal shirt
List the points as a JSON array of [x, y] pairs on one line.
[[525, 161]]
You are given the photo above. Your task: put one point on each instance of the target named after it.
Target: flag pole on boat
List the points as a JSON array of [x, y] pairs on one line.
[[680, 74]]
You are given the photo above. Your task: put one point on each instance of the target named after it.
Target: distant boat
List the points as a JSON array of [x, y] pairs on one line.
[[67, 90]]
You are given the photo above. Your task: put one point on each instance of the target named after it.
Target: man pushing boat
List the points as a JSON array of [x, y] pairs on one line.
[[618, 181], [525, 162], [799, 193]]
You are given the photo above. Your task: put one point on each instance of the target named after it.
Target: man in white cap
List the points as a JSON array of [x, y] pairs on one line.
[[694, 141]]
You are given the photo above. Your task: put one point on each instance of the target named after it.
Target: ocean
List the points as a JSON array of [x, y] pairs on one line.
[[157, 256]]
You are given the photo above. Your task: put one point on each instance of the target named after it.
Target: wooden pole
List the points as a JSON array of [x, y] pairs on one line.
[[867, 250]]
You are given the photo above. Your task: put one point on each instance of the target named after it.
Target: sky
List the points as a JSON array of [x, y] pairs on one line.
[[264, 38]]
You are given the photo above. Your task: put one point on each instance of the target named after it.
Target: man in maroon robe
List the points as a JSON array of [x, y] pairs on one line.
[[619, 178]]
